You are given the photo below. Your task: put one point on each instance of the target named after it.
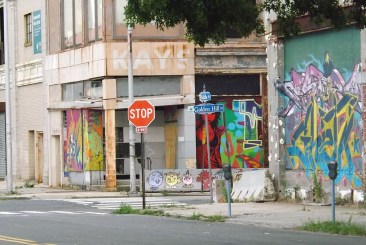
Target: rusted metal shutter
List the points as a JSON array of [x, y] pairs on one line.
[[2, 146]]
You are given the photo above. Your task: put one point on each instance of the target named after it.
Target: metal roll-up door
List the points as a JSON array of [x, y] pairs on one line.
[[2, 146]]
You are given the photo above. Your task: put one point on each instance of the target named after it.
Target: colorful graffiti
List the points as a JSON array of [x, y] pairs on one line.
[[235, 136], [84, 143], [155, 180], [74, 142], [172, 179], [323, 119], [93, 140], [204, 179], [187, 180]]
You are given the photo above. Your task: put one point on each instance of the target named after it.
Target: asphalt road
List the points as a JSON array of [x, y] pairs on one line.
[[63, 222]]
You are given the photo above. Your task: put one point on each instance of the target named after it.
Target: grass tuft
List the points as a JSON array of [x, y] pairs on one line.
[[126, 209], [338, 227]]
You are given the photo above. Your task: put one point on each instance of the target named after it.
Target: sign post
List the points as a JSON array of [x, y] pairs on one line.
[[141, 113], [332, 167], [207, 108]]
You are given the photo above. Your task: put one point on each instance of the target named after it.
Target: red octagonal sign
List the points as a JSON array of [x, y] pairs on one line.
[[141, 113]]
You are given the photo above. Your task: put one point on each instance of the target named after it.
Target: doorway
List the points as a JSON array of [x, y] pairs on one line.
[[39, 157]]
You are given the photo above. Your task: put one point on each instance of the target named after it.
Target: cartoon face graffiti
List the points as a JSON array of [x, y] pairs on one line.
[[187, 180], [172, 179], [204, 177], [155, 180]]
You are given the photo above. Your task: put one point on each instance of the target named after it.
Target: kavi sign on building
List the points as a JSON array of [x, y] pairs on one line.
[[162, 58]]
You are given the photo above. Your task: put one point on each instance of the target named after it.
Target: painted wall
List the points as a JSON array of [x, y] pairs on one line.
[[235, 136], [322, 104], [84, 142], [93, 140], [184, 179]]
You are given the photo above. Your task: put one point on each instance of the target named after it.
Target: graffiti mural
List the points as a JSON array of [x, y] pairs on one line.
[[322, 111], [74, 142], [155, 180], [172, 179], [185, 179], [235, 136], [93, 140], [84, 143]]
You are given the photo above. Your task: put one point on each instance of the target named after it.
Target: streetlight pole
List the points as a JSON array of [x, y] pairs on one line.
[[131, 99], [9, 165]]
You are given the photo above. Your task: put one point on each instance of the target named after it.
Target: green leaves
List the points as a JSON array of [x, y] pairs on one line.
[[211, 20], [205, 20], [320, 11]]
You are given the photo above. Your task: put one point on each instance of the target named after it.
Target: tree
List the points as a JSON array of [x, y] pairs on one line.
[[210, 20], [205, 20], [331, 11]]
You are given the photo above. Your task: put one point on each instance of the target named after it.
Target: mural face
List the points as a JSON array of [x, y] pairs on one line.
[[84, 143], [322, 111], [155, 179], [235, 136], [172, 179]]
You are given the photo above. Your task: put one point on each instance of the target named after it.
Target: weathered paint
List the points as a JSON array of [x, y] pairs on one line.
[[322, 104], [160, 58]]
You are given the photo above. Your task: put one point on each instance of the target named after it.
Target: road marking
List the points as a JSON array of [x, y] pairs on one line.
[[17, 240], [63, 212], [25, 213], [95, 213], [8, 213]]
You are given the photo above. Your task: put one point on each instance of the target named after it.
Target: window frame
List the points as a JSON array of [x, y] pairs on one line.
[[68, 90], [28, 29], [85, 23], [97, 36]]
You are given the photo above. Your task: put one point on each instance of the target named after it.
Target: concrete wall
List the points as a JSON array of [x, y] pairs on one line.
[[30, 111], [27, 98], [276, 132], [321, 112], [23, 7]]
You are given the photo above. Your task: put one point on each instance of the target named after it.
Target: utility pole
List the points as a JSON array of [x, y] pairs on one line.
[[9, 165], [131, 99]]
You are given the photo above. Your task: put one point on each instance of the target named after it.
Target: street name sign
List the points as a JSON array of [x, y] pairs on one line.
[[208, 108], [205, 96]]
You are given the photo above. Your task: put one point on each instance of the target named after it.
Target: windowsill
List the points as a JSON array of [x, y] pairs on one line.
[[27, 44]]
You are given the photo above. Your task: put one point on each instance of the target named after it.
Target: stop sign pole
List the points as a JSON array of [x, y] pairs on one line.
[[141, 113]]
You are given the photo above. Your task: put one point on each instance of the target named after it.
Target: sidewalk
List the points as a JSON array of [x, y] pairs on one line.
[[275, 214], [267, 214]]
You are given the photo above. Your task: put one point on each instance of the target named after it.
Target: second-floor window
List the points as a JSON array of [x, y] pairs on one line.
[[82, 22], [28, 29], [73, 23]]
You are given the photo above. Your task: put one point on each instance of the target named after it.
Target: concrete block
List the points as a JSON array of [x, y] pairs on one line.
[[254, 186], [218, 191]]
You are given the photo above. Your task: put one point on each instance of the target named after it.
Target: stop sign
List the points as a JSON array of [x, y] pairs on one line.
[[141, 113]]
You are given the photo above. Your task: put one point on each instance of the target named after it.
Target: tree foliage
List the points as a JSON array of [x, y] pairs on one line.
[[205, 20], [210, 20], [320, 11]]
